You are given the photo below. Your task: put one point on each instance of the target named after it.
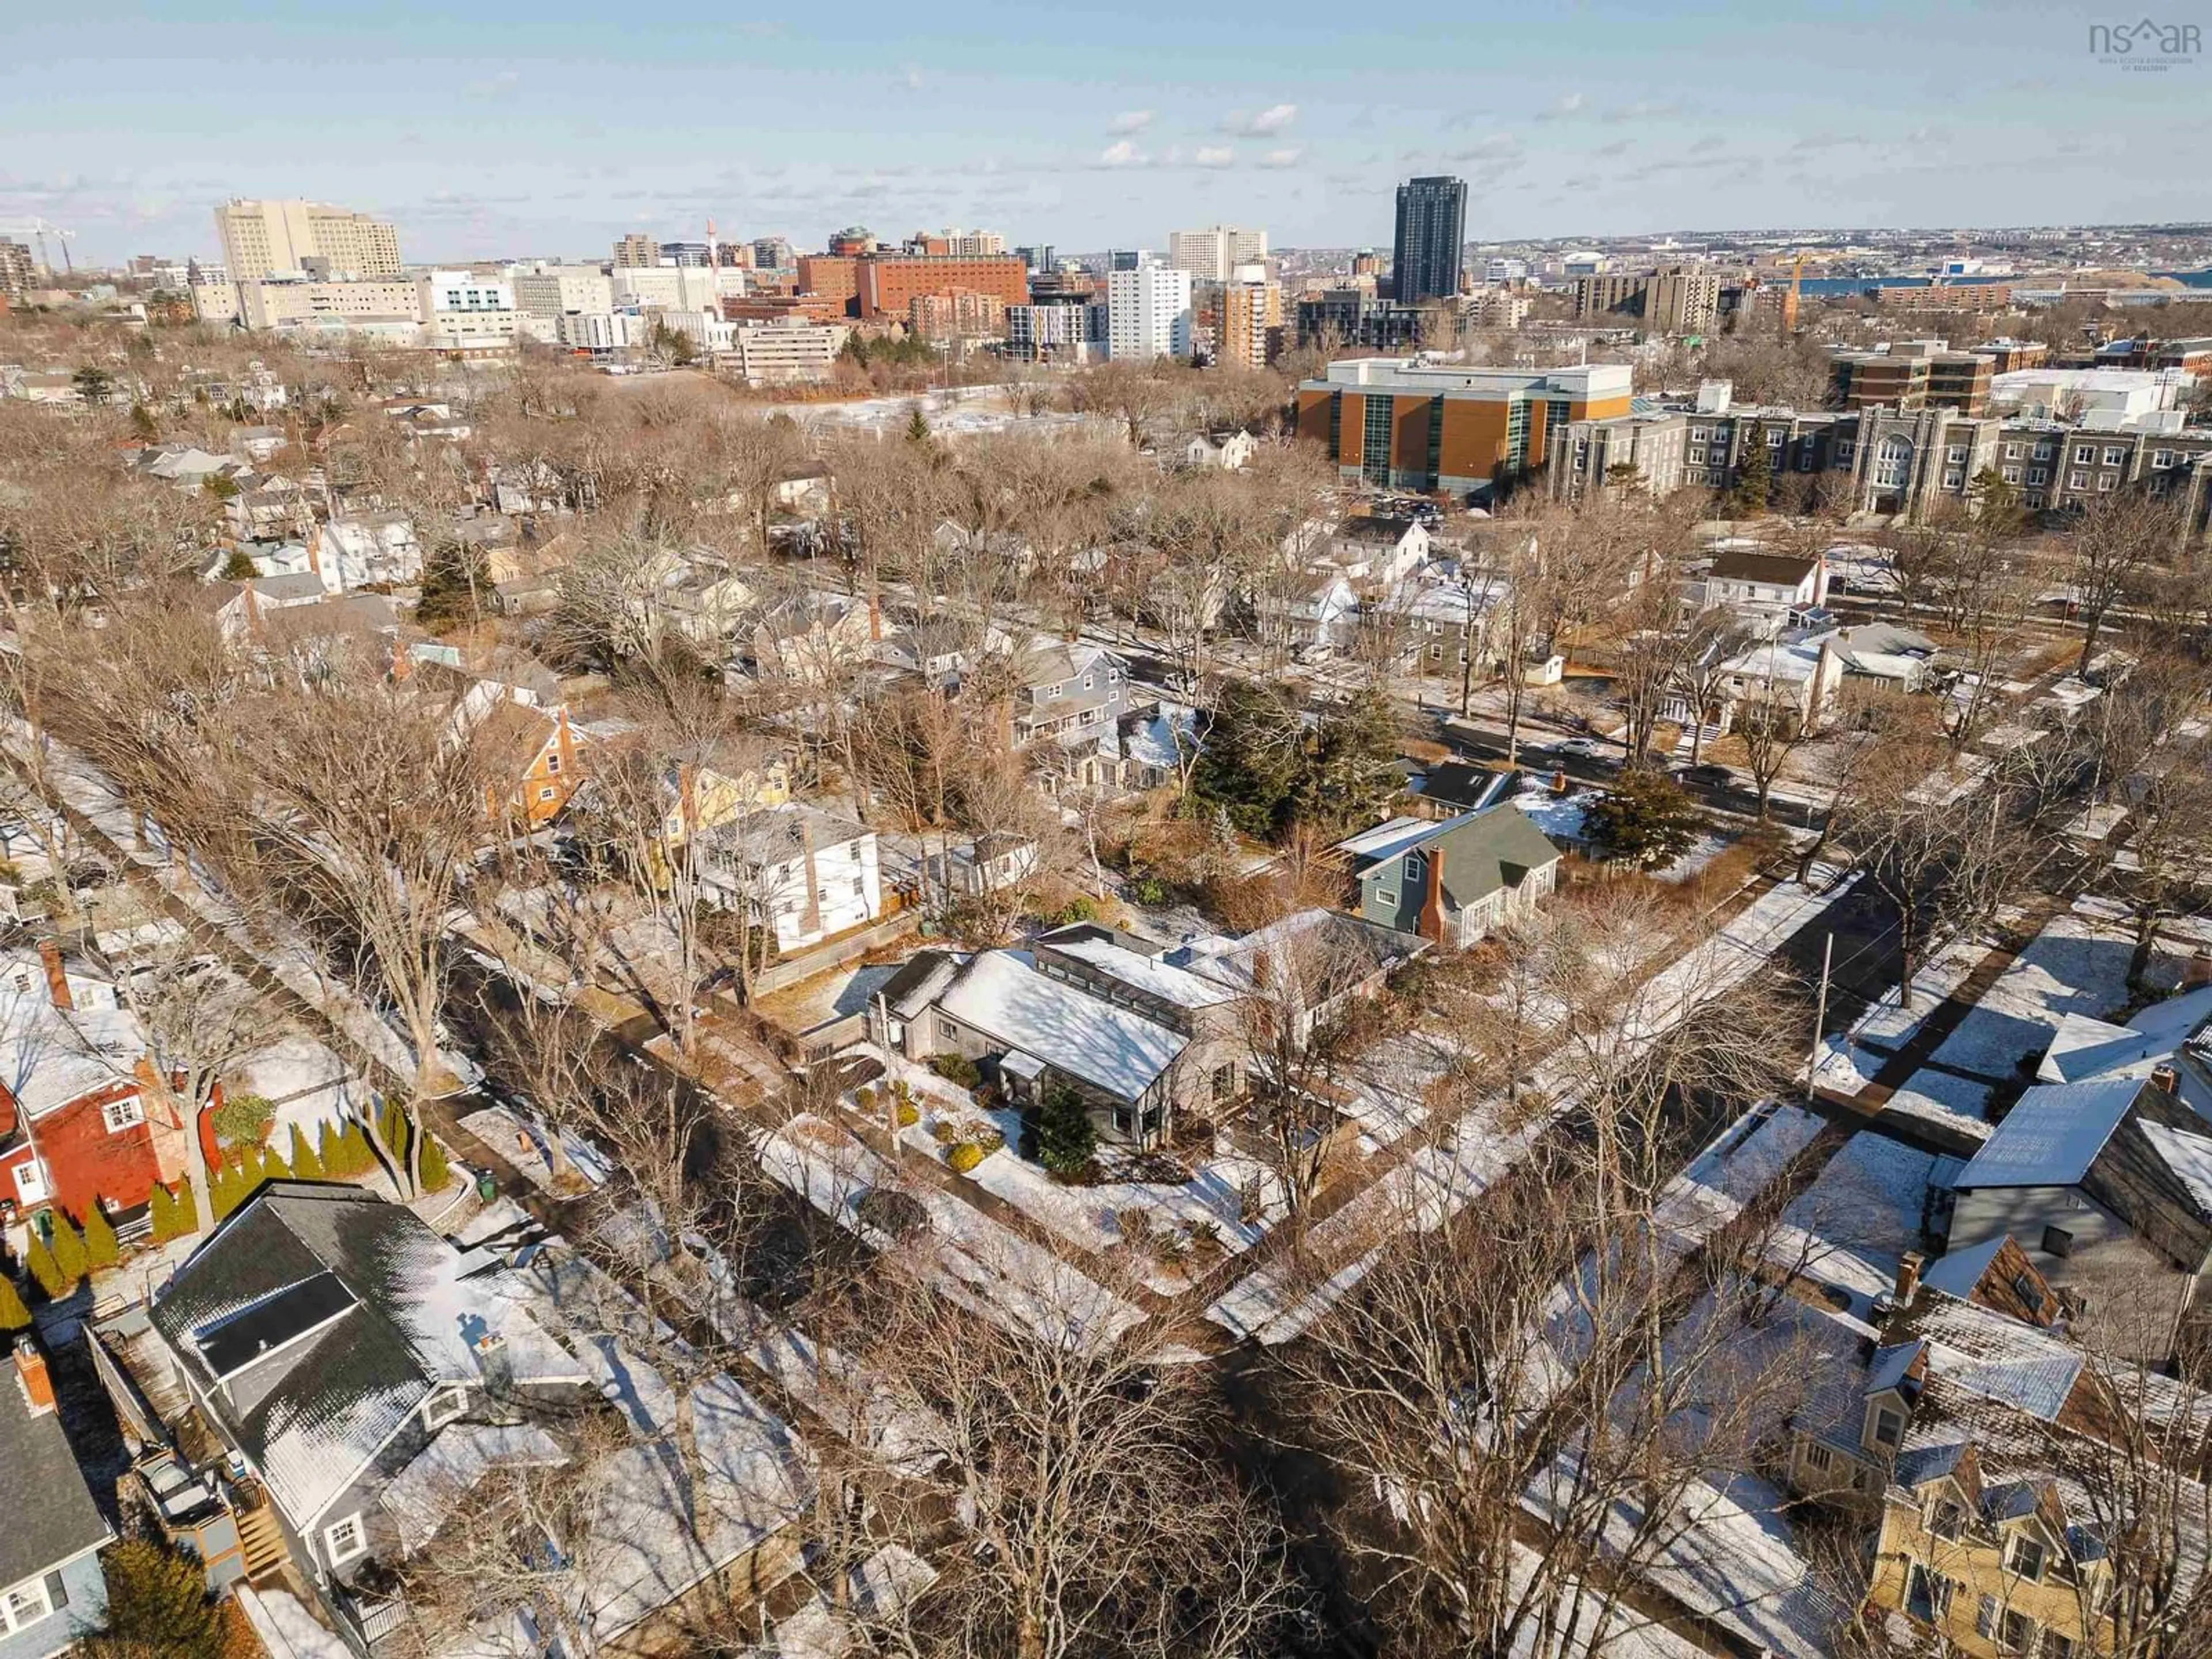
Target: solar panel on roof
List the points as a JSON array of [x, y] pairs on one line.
[[231, 1345]]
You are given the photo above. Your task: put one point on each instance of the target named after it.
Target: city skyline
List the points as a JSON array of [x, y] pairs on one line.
[[1600, 120]]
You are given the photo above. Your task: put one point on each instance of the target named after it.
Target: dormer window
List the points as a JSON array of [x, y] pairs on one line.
[[2027, 1558], [1886, 1427], [444, 1405], [1947, 1520]]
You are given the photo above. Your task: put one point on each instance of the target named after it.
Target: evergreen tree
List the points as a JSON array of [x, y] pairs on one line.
[[1353, 775], [101, 1248], [306, 1164], [161, 1218], [40, 1261], [141, 423], [391, 1129], [1253, 759], [435, 1174], [157, 1603], [273, 1166], [14, 1316], [1067, 1140], [240, 566], [1645, 820], [69, 1252], [917, 426], [1755, 474], [351, 1157]]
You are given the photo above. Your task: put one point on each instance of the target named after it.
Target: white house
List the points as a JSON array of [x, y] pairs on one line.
[[1379, 551], [364, 551], [1770, 588], [806, 872], [1230, 451]]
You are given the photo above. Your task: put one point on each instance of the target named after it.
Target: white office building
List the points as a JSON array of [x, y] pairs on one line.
[[546, 289], [1148, 313], [1212, 254]]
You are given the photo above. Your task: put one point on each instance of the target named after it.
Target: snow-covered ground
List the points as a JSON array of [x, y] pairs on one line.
[[1889, 1026], [1940, 1097], [1848, 1228], [285, 1627], [307, 1082], [2077, 965], [528, 1144], [976, 1260]]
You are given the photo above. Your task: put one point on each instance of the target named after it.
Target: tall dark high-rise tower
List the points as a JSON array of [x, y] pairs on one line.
[[1431, 232]]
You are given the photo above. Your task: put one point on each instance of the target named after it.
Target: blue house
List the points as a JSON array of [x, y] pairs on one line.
[[52, 1593]]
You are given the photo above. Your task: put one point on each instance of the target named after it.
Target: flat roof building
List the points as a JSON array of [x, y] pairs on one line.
[[1403, 424]]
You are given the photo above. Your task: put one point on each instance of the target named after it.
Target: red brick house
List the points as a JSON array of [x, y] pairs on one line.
[[81, 1120]]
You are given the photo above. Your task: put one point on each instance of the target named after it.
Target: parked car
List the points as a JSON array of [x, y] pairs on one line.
[[1708, 774], [1587, 748]]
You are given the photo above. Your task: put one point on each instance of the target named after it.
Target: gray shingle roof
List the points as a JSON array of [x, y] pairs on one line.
[[51, 1517]]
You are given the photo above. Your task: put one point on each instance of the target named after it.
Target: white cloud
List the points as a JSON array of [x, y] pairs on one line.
[[1129, 121], [1493, 147], [912, 78], [1272, 119], [1643, 110], [1121, 155], [1215, 155], [495, 86], [1569, 104], [1287, 157]]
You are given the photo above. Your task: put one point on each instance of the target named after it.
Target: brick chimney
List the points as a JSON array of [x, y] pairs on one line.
[[1432, 924], [875, 617], [50, 953], [2166, 1077], [1558, 780], [31, 1372], [1908, 1276], [2196, 971]]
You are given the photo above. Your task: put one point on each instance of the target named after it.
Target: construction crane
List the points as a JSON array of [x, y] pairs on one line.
[[38, 229]]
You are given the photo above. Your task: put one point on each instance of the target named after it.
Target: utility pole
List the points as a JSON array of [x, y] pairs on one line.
[[891, 1098], [1819, 1019]]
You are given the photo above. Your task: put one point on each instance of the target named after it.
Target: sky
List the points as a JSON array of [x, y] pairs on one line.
[[550, 129]]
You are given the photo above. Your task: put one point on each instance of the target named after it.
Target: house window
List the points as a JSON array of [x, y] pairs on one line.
[[1819, 1457], [2025, 1558], [1224, 1082], [123, 1114], [2017, 1633], [2107, 482], [1888, 1427], [30, 1181], [2116, 457], [1947, 1520], [552, 764], [1086, 682], [2037, 475], [2161, 459], [2012, 451], [1986, 1617], [1386, 896], [444, 1405], [2011, 474], [27, 1604], [548, 793], [2077, 481], [947, 1031], [343, 1539], [2056, 1646]]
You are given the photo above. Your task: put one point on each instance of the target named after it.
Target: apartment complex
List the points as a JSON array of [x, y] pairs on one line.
[[1212, 254], [17, 270], [1428, 257], [1148, 313], [779, 353], [1406, 425], [268, 238], [551, 290], [1680, 300], [1072, 330], [304, 304], [1911, 374], [637, 251], [1354, 317], [1250, 307], [887, 284], [959, 315]]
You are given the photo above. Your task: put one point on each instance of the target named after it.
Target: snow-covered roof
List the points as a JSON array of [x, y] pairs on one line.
[[50, 1057], [1149, 974], [1387, 841], [666, 1523], [1003, 995], [2189, 1155], [422, 1495], [2053, 1136], [319, 1318], [1160, 737]]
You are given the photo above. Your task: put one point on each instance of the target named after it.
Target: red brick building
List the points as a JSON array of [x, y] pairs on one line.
[[81, 1120], [889, 284]]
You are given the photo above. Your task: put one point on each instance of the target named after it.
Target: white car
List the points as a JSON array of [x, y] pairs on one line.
[[1587, 748]]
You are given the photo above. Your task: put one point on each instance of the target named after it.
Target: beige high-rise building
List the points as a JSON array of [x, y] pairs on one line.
[[1212, 254], [265, 237], [637, 252], [1679, 300]]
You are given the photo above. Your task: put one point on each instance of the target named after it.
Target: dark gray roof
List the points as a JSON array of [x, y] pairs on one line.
[[51, 1517], [1375, 527]]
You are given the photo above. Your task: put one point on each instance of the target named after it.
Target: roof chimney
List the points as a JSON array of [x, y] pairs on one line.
[[1908, 1276], [50, 953], [31, 1373], [2166, 1077]]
